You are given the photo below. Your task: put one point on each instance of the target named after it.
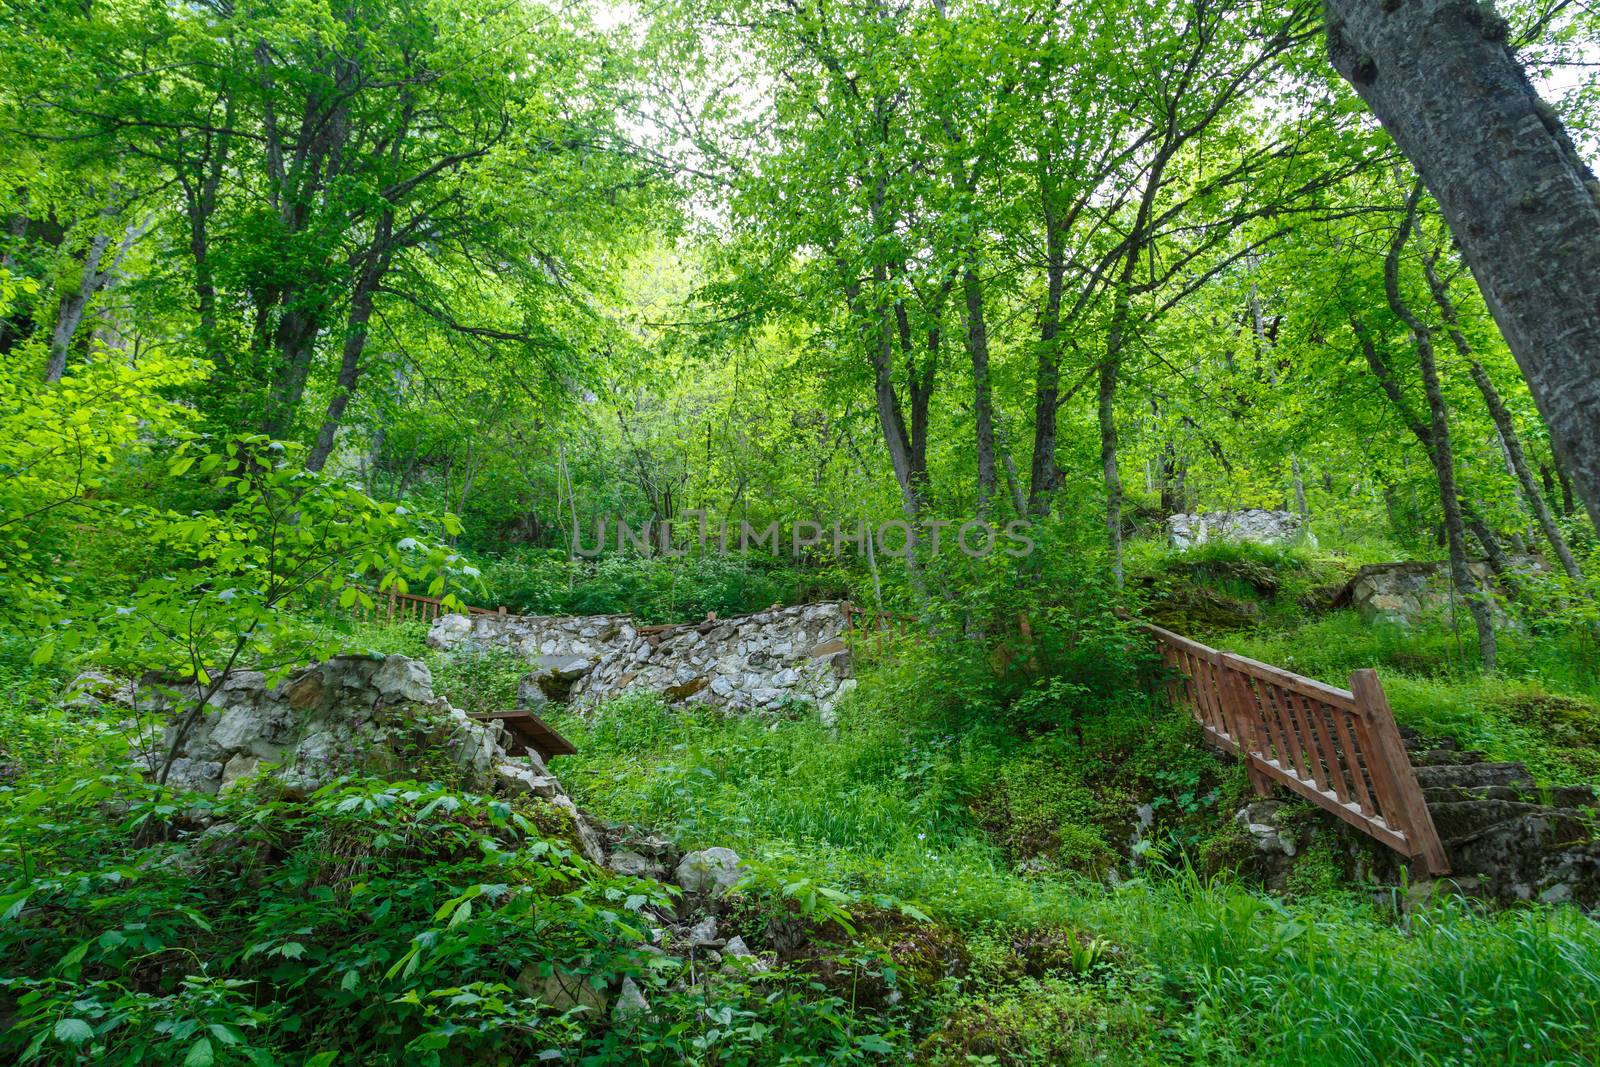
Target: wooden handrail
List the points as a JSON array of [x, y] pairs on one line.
[[1338, 748]]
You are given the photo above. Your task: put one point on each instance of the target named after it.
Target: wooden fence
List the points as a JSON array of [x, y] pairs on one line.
[[1339, 748]]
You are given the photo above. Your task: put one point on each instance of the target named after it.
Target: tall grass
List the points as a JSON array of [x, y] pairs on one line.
[[1231, 975], [1337, 984]]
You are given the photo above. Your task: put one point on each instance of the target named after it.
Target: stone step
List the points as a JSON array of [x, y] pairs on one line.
[[1462, 821], [1555, 796], [1523, 848], [1569, 796], [1415, 742], [1454, 794], [1474, 775], [1437, 756]]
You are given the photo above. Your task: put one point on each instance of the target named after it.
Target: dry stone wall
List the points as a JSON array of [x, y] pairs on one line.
[[1406, 592], [759, 663]]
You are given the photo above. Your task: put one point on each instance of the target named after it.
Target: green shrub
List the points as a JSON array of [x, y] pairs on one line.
[[654, 590]]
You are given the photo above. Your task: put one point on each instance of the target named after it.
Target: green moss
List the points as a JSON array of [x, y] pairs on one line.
[[1040, 1022], [1568, 725], [1034, 810]]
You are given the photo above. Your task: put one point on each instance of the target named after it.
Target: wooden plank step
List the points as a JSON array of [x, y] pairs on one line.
[[532, 732]]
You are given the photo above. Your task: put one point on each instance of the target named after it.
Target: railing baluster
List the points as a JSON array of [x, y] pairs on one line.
[[1353, 761], [1319, 763], [1291, 735], [1330, 753]]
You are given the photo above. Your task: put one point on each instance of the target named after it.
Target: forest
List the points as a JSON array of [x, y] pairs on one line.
[[377, 374]]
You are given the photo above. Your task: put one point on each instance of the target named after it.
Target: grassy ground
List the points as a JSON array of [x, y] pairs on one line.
[[1184, 969], [1011, 831]]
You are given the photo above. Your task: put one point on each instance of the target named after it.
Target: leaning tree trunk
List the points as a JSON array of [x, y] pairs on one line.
[[1525, 208], [74, 305], [1515, 457], [1443, 456]]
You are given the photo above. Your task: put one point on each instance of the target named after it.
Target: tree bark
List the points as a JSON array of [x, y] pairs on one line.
[[1107, 416], [73, 305], [877, 335], [355, 343], [1002, 443], [294, 345], [1424, 435], [1439, 76]]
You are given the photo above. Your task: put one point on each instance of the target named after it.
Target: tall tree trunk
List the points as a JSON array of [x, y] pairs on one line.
[[1299, 487], [1002, 442], [294, 346], [1258, 327], [1439, 76], [1424, 435], [920, 383], [1502, 421], [1045, 477], [1106, 412], [982, 401], [355, 342], [73, 305], [877, 335], [1439, 426]]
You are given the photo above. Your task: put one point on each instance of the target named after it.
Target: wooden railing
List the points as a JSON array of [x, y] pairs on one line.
[[390, 606], [872, 621], [872, 633], [1338, 748]]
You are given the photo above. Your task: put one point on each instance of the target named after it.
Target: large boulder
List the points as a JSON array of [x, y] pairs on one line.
[[1403, 593], [713, 871], [348, 714], [1255, 525]]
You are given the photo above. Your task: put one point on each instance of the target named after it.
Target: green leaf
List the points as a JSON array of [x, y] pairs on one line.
[[44, 653], [406, 963], [73, 1031], [75, 957], [200, 1054], [11, 906]]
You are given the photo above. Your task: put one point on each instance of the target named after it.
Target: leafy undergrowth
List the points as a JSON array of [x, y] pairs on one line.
[[961, 853], [374, 922]]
